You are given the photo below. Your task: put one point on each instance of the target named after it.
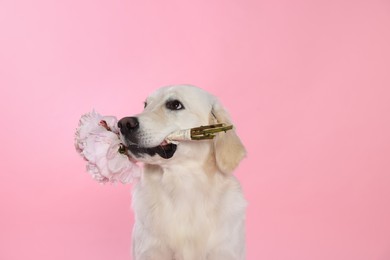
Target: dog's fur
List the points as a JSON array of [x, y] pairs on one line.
[[188, 206]]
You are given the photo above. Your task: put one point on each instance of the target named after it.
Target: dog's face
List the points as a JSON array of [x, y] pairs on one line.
[[167, 110]]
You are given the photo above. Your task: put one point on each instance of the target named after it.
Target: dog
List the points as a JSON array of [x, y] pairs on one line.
[[187, 204]]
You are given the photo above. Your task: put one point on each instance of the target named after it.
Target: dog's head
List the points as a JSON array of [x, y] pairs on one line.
[[174, 108]]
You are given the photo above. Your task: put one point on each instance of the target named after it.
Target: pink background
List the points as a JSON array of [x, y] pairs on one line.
[[307, 82]]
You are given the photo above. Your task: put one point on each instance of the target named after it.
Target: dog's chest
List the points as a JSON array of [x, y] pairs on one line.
[[187, 219], [181, 211]]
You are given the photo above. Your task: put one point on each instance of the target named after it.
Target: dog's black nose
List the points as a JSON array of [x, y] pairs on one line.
[[128, 124]]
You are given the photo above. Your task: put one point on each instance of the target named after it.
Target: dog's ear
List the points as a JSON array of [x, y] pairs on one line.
[[228, 149]]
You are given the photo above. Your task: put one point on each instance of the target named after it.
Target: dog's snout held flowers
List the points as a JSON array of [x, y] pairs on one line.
[[97, 140]]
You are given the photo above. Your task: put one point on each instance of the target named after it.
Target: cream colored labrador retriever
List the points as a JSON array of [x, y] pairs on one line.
[[188, 205]]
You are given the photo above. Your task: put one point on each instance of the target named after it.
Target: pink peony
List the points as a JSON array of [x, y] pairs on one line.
[[97, 140]]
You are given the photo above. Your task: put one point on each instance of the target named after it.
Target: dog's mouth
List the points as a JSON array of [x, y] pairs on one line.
[[165, 150]]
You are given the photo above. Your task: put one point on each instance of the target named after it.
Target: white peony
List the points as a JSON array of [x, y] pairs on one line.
[[97, 140]]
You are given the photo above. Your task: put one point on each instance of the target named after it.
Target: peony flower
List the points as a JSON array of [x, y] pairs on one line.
[[97, 140]]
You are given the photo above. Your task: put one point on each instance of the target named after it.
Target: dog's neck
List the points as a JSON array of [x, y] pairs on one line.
[[183, 185], [191, 169], [187, 171], [192, 172]]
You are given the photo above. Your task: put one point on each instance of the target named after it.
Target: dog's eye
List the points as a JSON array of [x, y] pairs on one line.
[[174, 105], [145, 104]]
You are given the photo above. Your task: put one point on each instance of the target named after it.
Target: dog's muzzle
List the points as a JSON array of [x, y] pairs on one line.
[[129, 127]]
